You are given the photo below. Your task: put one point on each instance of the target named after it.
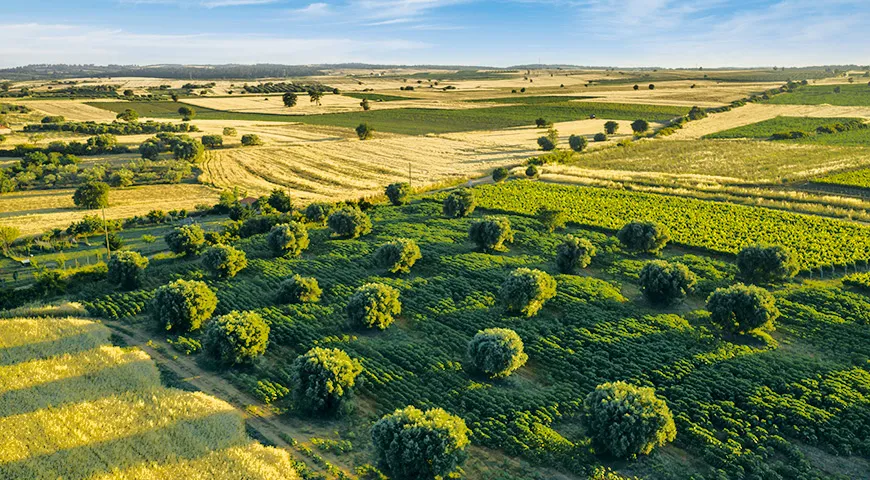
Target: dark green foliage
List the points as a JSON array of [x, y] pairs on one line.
[[150, 149], [398, 256], [323, 378], [491, 233], [577, 143], [611, 127], [531, 171], [525, 291], [126, 269], [213, 141], [318, 212], [541, 123], [364, 131], [599, 137], [186, 240], [183, 305], [288, 239], [280, 200], [224, 261], [349, 222], [742, 309], [626, 420], [546, 144], [187, 113], [639, 126], [697, 113], [129, 115], [373, 306], [496, 352], [551, 218], [299, 289], [574, 253], [399, 193], [766, 264], [251, 140], [414, 445], [92, 195], [648, 237], [500, 174], [460, 203], [189, 149], [290, 99], [236, 338], [664, 283]]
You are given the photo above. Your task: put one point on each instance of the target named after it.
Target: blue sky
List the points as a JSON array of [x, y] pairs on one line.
[[667, 33]]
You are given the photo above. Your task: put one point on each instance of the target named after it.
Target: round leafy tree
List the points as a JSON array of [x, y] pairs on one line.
[[525, 291], [186, 239], [663, 283], [237, 337], [600, 137], [491, 233], [460, 203], [290, 99], [189, 149], [364, 131], [574, 253], [288, 239], [212, 141], [626, 420], [532, 171], [280, 200], [766, 264], [546, 144], [413, 444], [398, 256], [644, 236], [251, 140], [183, 305], [577, 143], [318, 212], [323, 378], [299, 289], [399, 193], [500, 174], [126, 269], [496, 352], [611, 127], [224, 261], [373, 306], [92, 195], [639, 126], [741, 308], [349, 222]]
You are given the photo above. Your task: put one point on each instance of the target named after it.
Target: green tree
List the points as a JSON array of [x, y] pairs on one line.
[[766, 264], [652, 87], [183, 305], [546, 144], [187, 113], [411, 444], [373, 306], [491, 233], [315, 96], [323, 378], [551, 218], [496, 352], [251, 140], [625, 420], [290, 99], [126, 269], [639, 126], [742, 309], [399, 193], [128, 115], [525, 291], [189, 149], [299, 289], [611, 127], [398, 256], [185, 240], [664, 283], [574, 253], [288, 239], [280, 201], [224, 261], [212, 141], [92, 196], [318, 212], [151, 150], [500, 174], [599, 137], [459, 203], [236, 338], [577, 143], [645, 237], [364, 131], [532, 171], [230, 132], [365, 104], [349, 223], [8, 235]]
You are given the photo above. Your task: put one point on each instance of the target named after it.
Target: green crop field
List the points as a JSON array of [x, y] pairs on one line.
[[850, 95], [532, 100], [767, 128], [855, 178], [376, 97]]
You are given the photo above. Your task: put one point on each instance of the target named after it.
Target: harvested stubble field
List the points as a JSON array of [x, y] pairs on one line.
[[73, 110]]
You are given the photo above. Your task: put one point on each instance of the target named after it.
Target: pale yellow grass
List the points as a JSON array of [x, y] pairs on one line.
[[705, 94], [329, 104], [527, 137], [38, 210], [74, 110]]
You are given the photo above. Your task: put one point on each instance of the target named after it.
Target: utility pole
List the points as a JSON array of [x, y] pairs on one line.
[[106, 229]]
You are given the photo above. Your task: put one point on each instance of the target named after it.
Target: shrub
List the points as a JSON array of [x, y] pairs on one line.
[[349, 223], [280, 200], [185, 240], [460, 203], [663, 283], [322, 378], [546, 144], [644, 237], [126, 269], [186, 113], [697, 113], [398, 256], [288, 239], [574, 253], [92, 195], [741, 309], [299, 289], [531, 171], [318, 212], [491, 233], [413, 444], [399, 193], [230, 132], [236, 338], [500, 174], [290, 99], [525, 291], [212, 141], [189, 149], [551, 219], [639, 126], [251, 140], [373, 306], [599, 137], [626, 420], [542, 122], [183, 305], [364, 131], [224, 261], [577, 142], [496, 352], [766, 264], [611, 127]]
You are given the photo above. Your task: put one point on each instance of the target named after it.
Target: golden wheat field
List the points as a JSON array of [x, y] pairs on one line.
[[76, 407], [74, 110]]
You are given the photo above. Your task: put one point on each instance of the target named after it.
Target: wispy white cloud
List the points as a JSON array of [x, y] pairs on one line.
[[201, 3], [313, 10]]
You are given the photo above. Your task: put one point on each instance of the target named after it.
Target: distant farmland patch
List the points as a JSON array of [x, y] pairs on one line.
[[848, 95], [779, 125], [377, 97]]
